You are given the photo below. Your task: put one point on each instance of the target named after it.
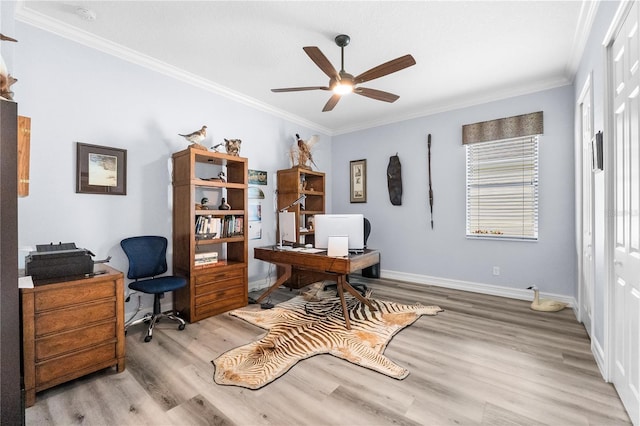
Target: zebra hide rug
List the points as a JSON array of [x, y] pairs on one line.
[[299, 329]]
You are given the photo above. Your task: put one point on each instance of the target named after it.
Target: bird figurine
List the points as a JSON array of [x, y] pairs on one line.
[[196, 137], [233, 146], [7, 38], [545, 305], [302, 150], [224, 205], [203, 203], [6, 80], [218, 147]]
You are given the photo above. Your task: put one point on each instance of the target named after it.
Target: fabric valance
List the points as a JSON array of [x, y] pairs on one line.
[[503, 128]]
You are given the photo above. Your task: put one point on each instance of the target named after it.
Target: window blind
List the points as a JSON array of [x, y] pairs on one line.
[[502, 188]]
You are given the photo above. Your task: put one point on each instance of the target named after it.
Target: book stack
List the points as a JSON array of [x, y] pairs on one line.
[[208, 227], [206, 258], [232, 226]]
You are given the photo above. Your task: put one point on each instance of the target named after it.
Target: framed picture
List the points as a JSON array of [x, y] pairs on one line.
[[257, 177], [101, 170], [358, 175]]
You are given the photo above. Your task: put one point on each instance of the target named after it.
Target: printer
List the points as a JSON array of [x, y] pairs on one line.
[[59, 260]]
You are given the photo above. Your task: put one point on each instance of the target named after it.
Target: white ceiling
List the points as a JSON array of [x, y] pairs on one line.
[[467, 52]]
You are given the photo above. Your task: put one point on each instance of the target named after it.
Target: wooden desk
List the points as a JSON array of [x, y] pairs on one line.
[[71, 328], [339, 267]]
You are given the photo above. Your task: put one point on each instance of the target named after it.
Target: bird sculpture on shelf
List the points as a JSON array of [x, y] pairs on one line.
[[6, 80], [301, 152], [233, 146], [196, 137], [545, 305], [224, 205], [7, 38]]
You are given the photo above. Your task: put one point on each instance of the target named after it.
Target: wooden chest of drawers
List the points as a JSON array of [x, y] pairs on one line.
[[72, 328]]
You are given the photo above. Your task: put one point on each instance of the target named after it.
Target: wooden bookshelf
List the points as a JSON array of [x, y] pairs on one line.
[[217, 287]]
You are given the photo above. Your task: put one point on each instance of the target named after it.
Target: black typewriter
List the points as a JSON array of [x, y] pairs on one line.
[[59, 260]]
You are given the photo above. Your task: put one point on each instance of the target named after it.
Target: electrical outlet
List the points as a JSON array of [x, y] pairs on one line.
[[496, 270]]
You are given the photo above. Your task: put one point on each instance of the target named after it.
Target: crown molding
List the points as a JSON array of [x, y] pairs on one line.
[[588, 11], [54, 26], [457, 104]]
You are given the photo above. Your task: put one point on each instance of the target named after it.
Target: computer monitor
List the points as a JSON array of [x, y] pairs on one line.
[[351, 225], [287, 223]]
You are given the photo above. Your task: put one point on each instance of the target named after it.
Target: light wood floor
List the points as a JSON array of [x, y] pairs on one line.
[[484, 360]]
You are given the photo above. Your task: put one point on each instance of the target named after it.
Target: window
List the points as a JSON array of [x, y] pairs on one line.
[[502, 188]]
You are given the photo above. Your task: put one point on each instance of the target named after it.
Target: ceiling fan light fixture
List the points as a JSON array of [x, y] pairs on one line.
[[343, 88], [342, 83]]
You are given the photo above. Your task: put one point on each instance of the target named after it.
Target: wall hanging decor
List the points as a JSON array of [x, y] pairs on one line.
[[430, 188], [394, 180], [596, 152], [100, 170], [359, 181]]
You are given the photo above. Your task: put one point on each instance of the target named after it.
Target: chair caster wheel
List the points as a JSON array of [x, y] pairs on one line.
[[181, 327], [147, 339]]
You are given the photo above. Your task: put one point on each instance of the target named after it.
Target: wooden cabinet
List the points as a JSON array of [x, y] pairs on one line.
[[72, 328], [292, 184], [200, 230]]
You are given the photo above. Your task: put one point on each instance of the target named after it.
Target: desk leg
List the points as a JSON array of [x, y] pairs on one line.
[[357, 294], [341, 280], [281, 279]]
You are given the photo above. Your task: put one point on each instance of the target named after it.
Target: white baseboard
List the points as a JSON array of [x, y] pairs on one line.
[[475, 287], [598, 354]]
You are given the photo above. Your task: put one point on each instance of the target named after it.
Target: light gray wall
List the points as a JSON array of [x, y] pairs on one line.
[[76, 94], [403, 233]]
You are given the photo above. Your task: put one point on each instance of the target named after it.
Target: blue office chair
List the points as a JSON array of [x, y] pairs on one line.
[[147, 259]]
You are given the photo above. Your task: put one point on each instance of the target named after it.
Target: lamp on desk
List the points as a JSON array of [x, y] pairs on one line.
[[287, 219]]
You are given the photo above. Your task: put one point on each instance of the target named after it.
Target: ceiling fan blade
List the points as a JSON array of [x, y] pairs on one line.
[[376, 94], [331, 103], [299, 89], [386, 68], [321, 61]]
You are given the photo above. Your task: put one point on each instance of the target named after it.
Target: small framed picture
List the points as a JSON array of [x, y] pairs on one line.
[[358, 170], [101, 170]]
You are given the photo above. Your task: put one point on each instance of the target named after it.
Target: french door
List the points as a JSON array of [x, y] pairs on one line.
[[625, 310], [587, 262]]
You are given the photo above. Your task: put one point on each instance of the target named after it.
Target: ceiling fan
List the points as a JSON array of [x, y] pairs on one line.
[[342, 83]]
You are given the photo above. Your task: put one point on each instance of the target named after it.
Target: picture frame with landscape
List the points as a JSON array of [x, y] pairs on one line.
[[100, 170]]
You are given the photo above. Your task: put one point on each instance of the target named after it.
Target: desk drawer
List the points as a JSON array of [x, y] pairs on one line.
[[217, 286], [74, 365], [59, 344], [63, 297], [73, 317], [218, 306], [218, 275], [219, 293]]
